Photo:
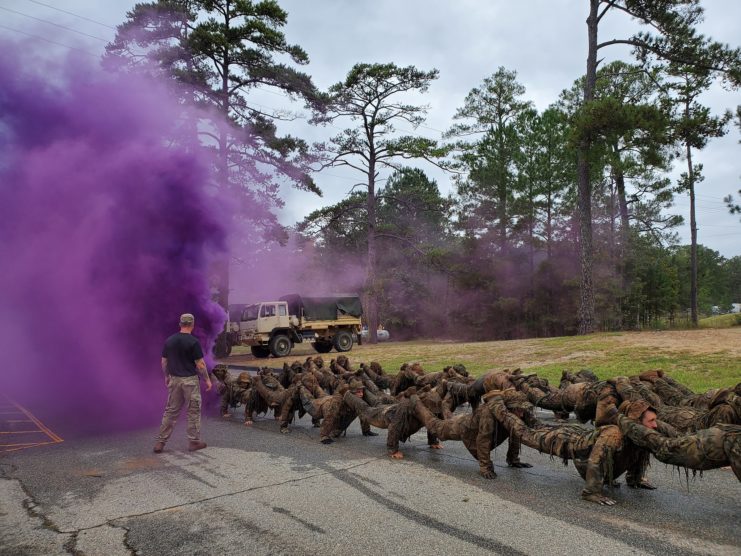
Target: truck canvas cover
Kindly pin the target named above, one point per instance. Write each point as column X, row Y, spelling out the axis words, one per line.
column 323, row 308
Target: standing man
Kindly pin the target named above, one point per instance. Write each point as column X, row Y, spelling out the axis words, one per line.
column 182, row 362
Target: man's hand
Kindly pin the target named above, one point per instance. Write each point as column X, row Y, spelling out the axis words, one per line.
column 208, row 384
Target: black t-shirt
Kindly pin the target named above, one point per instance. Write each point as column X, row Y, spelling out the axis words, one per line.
column 182, row 351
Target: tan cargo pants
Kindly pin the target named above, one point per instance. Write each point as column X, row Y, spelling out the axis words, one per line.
column 182, row 390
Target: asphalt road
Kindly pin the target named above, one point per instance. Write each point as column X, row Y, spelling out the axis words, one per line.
column 254, row 491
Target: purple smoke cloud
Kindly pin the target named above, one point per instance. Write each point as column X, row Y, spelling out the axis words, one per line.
column 107, row 234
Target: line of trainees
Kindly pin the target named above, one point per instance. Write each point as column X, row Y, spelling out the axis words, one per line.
column 633, row 417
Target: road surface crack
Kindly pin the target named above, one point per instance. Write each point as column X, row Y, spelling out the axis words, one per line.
column 112, row 521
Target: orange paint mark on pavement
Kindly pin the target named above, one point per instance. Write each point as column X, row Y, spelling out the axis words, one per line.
column 9, row 444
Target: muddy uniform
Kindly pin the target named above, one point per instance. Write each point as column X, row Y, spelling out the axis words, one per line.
column 376, row 374
column 599, row 455
column 325, row 408
column 432, row 400
column 233, row 393
column 480, row 433
column 346, row 414
column 711, row 448
column 639, row 390
column 457, row 394
column 407, row 377
column 433, row 379
column 375, row 397
column 277, row 397
column 588, row 400
column 326, row 378
column 584, row 375
column 471, row 392
column 723, row 407
column 672, row 395
column 397, row 418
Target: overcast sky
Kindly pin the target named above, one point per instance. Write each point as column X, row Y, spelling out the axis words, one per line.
column 466, row 40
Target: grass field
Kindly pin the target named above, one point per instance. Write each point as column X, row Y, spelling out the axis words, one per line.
column 701, row 359
column 721, row 321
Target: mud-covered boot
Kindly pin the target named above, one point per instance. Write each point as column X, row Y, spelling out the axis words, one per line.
column 593, row 488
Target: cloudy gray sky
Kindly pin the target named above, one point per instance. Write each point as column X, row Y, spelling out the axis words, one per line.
column 466, row 40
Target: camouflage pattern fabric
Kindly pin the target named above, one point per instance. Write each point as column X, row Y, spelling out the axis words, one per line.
column 397, row 418
column 599, row 454
column 711, row 448
column 479, row 431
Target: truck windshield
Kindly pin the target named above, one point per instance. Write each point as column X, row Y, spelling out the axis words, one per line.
column 251, row 312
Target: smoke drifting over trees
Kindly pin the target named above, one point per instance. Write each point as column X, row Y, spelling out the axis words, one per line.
column 126, row 191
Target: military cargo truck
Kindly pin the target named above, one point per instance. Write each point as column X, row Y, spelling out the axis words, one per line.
column 274, row 327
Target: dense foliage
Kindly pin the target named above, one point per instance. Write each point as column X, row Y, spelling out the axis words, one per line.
column 560, row 220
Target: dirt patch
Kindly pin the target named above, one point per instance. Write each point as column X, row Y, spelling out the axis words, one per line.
column 726, row 340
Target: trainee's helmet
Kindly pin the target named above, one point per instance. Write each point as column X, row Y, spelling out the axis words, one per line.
column 220, row 371
column 356, row 384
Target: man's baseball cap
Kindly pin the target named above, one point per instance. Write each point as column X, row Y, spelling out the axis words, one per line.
column 186, row 319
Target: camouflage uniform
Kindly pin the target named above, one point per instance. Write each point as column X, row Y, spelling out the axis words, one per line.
column 584, row 375
column 397, row 418
column 599, row 454
column 588, row 400
column 684, row 418
column 472, row 392
column 433, row 379
column 277, row 397
column 406, row 378
column 233, row 391
column 672, row 395
column 480, row 433
column 711, row 448
column 456, row 394
column 326, row 408
column 376, row 374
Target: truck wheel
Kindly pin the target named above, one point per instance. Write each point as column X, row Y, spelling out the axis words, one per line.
column 280, row 345
column 260, row 351
column 343, row 341
column 322, row 347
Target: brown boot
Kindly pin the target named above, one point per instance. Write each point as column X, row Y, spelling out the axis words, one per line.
column 194, row 445
column 159, row 447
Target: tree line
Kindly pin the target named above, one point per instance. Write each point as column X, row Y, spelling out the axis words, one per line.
column 560, row 221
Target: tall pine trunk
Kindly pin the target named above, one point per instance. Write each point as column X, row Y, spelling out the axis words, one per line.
column 371, row 278
column 693, row 234
column 223, row 263
column 587, row 321
column 624, row 236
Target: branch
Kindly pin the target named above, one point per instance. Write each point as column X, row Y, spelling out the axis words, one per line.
column 660, row 53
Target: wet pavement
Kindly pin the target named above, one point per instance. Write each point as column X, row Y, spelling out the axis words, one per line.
column 256, row 491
